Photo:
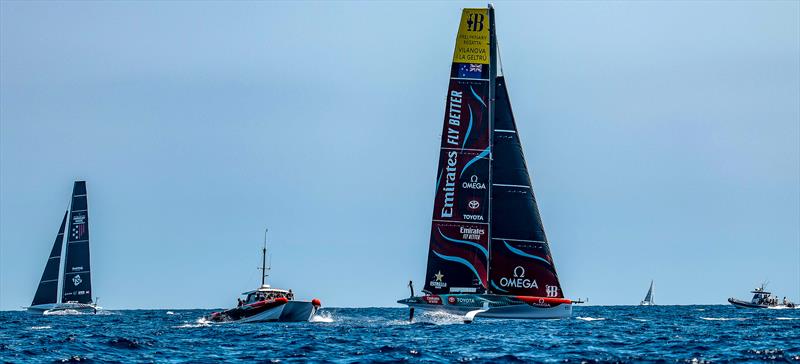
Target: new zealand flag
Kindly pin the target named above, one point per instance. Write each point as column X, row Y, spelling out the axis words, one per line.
column 470, row 70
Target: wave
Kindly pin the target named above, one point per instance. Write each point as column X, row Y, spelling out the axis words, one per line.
column 170, row 313
column 40, row 327
column 322, row 317
column 787, row 318
column 640, row 320
column 590, row 318
column 201, row 322
column 63, row 313
column 431, row 318
column 724, row 318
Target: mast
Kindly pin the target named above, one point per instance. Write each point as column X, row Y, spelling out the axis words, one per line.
column 264, row 268
column 492, row 86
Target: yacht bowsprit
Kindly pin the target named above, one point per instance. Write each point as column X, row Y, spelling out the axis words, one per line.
column 488, row 253
column 266, row 304
column 75, row 280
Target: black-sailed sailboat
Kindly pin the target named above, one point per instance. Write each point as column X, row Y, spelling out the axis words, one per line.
column 488, row 255
column 75, row 279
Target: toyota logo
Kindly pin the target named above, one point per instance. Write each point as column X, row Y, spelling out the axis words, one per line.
column 474, row 204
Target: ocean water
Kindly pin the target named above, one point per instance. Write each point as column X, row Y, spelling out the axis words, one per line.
column 593, row 334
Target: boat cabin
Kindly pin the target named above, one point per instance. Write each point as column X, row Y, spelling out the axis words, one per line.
column 266, row 292
column 760, row 296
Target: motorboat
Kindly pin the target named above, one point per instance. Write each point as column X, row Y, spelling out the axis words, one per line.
column 762, row 299
column 267, row 304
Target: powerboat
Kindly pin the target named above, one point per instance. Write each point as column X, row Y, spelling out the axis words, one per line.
column 267, row 304
column 762, row 299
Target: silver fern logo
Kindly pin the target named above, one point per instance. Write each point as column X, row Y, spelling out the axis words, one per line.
column 76, row 280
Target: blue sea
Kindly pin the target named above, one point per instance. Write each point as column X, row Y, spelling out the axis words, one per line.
column 345, row 335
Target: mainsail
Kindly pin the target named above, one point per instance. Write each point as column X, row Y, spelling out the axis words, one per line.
column 459, row 245
column 649, row 297
column 47, row 292
column 77, row 279
column 487, row 234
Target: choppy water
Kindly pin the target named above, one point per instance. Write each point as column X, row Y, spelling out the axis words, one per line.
column 627, row 334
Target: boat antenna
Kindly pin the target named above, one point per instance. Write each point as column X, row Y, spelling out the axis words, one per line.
column 264, row 269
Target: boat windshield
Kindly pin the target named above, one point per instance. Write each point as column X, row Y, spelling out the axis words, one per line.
column 261, row 295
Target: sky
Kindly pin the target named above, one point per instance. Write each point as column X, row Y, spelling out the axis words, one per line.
column 663, row 140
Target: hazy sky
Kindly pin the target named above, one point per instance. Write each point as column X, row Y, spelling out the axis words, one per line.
column 663, row 140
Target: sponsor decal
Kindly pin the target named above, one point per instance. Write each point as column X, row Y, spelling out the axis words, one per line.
column 469, row 217
column 76, row 280
column 433, row 300
column 474, row 205
column 449, row 184
column 473, row 184
column 454, row 117
column 438, row 281
column 452, row 300
column 77, row 269
column 472, row 42
column 552, row 291
column 471, row 233
column 519, row 280
column 78, row 226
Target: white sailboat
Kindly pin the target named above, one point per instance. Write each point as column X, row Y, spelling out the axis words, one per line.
column 648, row 299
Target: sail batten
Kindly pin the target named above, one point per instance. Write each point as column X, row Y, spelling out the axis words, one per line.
column 47, row 292
column 77, row 286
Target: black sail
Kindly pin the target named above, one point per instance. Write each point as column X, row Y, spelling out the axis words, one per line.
column 47, row 292
column 77, row 279
column 649, row 297
column 521, row 263
column 459, row 241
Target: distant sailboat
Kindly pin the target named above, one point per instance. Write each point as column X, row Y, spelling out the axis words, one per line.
column 488, row 254
column 648, row 300
column 76, row 281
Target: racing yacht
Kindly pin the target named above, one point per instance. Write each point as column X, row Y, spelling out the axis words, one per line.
column 488, row 254
column 266, row 304
column 75, row 279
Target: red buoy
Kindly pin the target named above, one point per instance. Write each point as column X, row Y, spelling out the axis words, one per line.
column 316, row 302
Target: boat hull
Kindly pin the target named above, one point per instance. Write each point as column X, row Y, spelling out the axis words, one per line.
column 493, row 306
column 748, row 304
column 57, row 308
column 279, row 310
